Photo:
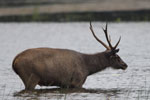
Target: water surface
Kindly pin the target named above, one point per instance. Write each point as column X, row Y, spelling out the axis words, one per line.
column 131, row 84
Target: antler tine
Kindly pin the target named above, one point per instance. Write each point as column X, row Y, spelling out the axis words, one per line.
column 106, row 34
column 91, row 28
column 117, row 43
column 109, row 38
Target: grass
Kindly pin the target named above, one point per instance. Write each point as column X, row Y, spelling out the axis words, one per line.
column 36, row 15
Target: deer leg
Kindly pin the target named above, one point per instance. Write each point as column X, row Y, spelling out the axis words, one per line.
column 31, row 82
column 78, row 81
column 76, row 85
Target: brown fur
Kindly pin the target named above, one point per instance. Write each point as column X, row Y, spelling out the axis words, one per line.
column 57, row 67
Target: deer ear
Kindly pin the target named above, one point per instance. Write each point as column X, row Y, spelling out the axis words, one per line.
column 116, row 51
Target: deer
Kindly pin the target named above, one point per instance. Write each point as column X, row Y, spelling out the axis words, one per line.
column 65, row 68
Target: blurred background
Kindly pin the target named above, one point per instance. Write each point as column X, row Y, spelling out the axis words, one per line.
column 74, row 10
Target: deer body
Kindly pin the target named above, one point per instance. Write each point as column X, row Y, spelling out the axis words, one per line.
column 57, row 67
column 62, row 67
column 46, row 66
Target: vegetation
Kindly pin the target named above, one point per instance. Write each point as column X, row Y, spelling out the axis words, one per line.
column 117, row 16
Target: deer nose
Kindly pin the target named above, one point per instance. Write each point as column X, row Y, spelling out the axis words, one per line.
column 124, row 66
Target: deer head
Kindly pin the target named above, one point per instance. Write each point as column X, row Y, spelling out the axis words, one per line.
column 111, row 51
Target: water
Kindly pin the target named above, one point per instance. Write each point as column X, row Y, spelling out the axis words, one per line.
column 131, row 84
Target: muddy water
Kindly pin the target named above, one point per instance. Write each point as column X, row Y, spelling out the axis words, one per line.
column 131, row 84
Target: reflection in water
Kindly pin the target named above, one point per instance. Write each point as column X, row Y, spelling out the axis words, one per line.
column 66, row 91
column 61, row 92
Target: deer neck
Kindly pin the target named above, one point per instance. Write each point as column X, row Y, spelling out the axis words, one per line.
column 96, row 62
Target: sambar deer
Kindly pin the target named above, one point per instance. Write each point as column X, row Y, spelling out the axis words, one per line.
column 62, row 67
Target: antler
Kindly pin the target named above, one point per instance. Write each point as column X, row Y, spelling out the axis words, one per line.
column 109, row 39
column 106, row 34
column 110, row 47
column 91, row 28
column 117, row 43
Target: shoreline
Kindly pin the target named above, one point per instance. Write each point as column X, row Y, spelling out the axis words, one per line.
column 95, row 10
column 117, row 16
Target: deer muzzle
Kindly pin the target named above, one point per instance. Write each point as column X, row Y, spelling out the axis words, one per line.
column 124, row 66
